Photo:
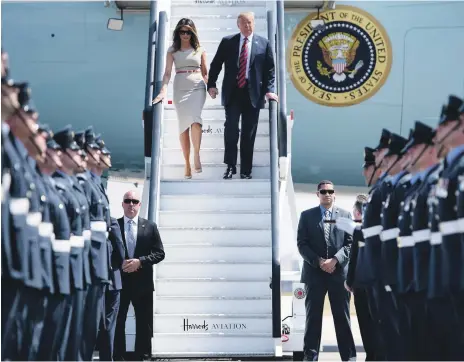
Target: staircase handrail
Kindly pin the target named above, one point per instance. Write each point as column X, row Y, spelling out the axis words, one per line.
column 158, row 114
column 274, row 159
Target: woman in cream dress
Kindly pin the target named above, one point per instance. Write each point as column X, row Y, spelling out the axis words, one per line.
column 189, row 88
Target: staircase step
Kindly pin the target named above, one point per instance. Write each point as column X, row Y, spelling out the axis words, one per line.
column 233, row 186
column 226, row 305
column 228, row 254
column 207, row 268
column 213, row 342
column 226, row 218
column 212, row 155
column 215, row 236
column 206, row 20
column 213, row 202
column 208, row 115
column 212, row 287
column 211, row 171
column 213, row 140
column 212, row 324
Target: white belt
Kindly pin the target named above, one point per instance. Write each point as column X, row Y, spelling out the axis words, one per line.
column 98, row 226
column 372, row 231
column 421, row 235
column 45, row 229
column 19, row 206
column 405, row 241
column 388, row 288
column 435, row 238
column 461, row 225
column 34, row 219
column 449, row 227
column 389, row 234
column 76, row 241
column 61, row 246
column 361, row 244
column 87, row 234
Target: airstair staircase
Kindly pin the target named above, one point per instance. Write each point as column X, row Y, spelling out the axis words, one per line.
column 213, row 290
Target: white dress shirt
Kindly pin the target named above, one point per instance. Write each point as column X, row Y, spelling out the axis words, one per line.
column 134, row 226
column 242, row 39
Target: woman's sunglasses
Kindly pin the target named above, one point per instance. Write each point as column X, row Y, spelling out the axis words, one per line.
column 131, row 201
column 185, row 32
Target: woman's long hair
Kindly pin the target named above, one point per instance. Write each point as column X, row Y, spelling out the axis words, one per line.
column 189, row 24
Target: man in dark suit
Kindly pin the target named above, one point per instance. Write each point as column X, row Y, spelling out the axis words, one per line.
column 143, row 248
column 249, row 76
column 325, row 250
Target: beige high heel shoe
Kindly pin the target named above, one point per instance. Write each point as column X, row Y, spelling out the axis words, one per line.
column 188, row 172
column 198, row 169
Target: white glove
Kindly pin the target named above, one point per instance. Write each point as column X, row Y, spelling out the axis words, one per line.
column 346, row 224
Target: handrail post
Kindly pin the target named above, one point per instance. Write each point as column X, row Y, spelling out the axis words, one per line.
column 273, row 133
column 158, row 112
column 281, row 80
column 151, row 54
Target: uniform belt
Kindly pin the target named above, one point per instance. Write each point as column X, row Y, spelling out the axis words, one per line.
column 34, row 219
column 87, row 234
column 361, row 244
column 372, row 231
column 461, row 225
column 76, row 241
column 449, row 227
column 421, row 235
column 187, row 71
column 19, row 206
column 405, row 241
column 435, row 238
column 61, row 246
column 98, row 226
column 389, row 234
column 46, row 229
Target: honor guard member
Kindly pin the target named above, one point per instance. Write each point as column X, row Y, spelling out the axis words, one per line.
column 66, row 185
column 112, row 294
column 15, row 208
column 99, row 224
column 449, row 132
column 424, row 158
column 368, row 325
column 31, row 299
column 53, row 336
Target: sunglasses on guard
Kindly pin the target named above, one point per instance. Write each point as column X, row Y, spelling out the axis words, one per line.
column 131, row 201
column 324, row 192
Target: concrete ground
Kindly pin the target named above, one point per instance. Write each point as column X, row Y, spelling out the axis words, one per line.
column 305, row 195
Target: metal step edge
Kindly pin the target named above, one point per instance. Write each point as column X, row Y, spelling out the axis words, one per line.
column 222, row 262
column 214, row 245
column 216, row 181
column 217, row 211
column 257, row 316
column 217, row 119
column 213, row 16
column 207, row 6
column 217, row 334
column 214, row 149
column 211, row 165
column 214, row 280
column 192, row 297
column 233, row 196
column 219, row 228
column 210, row 135
column 189, row 355
column 207, row 107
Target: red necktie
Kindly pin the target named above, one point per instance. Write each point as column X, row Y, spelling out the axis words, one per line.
column 242, row 65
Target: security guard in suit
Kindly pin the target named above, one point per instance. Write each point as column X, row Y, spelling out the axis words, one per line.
column 99, row 223
column 449, row 132
column 58, row 225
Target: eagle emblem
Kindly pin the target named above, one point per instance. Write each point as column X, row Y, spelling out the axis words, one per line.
column 339, row 51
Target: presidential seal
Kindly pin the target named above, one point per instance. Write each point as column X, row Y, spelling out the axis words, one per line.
column 342, row 63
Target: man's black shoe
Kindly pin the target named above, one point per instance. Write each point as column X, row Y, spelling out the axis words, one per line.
column 231, row 170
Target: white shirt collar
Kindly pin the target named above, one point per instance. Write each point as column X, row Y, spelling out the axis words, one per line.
column 135, row 220
column 250, row 37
